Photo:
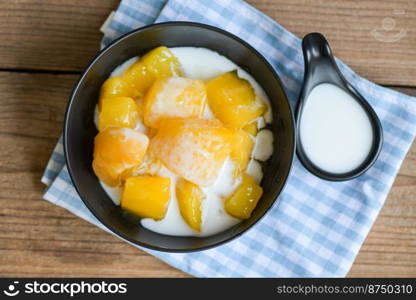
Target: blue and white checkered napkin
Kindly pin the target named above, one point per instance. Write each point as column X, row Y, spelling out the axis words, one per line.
column 316, row 227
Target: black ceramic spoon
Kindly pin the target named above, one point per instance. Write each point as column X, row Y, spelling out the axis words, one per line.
column 320, row 67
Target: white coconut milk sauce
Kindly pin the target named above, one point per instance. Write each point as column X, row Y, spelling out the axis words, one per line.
column 335, row 131
column 205, row 64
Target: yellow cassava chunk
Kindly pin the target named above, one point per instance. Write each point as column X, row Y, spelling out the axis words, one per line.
column 157, row 63
column 115, row 87
column 244, row 199
column 241, row 150
column 233, row 100
column 194, row 149
column 146, row 196
column 116, row 150
column 118, row 111
column 189, row 198
column 251, row 128
column 174, row 97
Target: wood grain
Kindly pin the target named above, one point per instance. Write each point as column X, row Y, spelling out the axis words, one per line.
column 63, row 35
column 41, row 239
column 51, row 35
column 349, row 25
column 36, row 237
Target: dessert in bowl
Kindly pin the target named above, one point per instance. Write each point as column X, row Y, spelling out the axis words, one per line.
column 193, row 130
column 189, row 134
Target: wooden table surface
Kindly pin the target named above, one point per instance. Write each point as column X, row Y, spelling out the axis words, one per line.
column 46, row 44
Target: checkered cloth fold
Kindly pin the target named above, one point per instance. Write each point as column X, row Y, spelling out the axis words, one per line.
column 316, row 227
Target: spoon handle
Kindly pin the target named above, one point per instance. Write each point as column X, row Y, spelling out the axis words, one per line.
column 319, row 62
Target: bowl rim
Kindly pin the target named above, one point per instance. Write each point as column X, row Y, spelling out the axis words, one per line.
column 66, row 130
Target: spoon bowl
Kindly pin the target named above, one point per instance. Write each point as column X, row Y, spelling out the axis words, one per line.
column 321, row 68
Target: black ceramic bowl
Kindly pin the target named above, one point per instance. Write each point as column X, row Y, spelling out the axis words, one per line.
column 79, row 131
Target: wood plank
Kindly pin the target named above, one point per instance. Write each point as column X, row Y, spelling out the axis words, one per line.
column 349, row 27
column 41, row 239
column 36, row 237
column 63, row 36
column 51, row 34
